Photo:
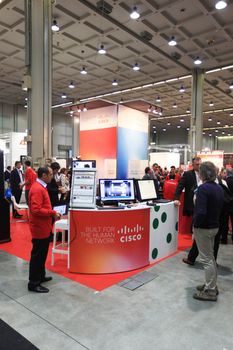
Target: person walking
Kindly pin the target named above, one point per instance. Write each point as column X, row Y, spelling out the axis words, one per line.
column 208, row 206
column 40, row 223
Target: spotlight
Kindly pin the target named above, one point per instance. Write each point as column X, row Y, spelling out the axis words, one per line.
column 136, row 67
column 172, row 42
column 220, row 5
column 114, row 83
column 182, row 89
column 135, row 14
column 63, row 95
column 55, row 27
column 197, row 61
column 158, row 99
column 84, row 108
column 71, row 85
column 79, row 109
column 83, row 71
column 102, row 50
column 149, row 109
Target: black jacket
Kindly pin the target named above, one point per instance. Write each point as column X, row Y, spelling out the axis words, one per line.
column 15, row 181
column 188, row 182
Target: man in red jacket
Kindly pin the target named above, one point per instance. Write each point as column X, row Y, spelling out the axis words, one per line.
column 40, row 222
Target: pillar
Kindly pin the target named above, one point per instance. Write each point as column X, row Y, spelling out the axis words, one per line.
column 38, row 62
column 75, row 136
column 197, row 111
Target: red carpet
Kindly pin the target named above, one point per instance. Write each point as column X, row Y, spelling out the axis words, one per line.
column 20, row 246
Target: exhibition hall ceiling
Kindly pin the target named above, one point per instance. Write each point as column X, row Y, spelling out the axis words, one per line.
column 198, row 27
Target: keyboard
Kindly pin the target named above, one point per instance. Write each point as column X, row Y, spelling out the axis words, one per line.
column 109, row 208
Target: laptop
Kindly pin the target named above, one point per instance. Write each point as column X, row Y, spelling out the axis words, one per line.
column 62, row 209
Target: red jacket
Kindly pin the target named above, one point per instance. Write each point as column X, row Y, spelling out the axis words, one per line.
column 30, row 177
column 40, row 211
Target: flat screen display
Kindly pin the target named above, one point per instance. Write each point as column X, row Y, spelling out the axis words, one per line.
column 116, row 190
column 83, row 164
column 146, row 190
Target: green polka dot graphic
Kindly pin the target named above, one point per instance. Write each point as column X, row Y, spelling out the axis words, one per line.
column 156, row 208
column 169, row 237
column 155, row 223
column 164, row 217
column 155, row 253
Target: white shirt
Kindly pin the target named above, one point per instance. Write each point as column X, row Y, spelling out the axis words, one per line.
column 20, row 175
column 199, row 181
column 42, row 182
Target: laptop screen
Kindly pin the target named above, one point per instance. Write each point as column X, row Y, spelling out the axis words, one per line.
column 62, row 209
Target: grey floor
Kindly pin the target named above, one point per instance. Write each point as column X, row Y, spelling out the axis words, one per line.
column 160, row 315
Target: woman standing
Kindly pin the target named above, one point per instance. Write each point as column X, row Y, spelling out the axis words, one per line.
column 208, row 206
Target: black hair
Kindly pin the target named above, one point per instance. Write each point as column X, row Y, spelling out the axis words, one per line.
column 147, row 169
column 42, row 170
column 55, row 166
column 27, row 162
column 17, row 162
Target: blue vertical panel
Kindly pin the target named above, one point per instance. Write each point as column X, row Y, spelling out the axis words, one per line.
column 131, row 145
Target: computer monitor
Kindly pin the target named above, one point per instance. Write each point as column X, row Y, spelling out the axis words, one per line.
column 113, row 190
column 83, row 164
column 146, row 190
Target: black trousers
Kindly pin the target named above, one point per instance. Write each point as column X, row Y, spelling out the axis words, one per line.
column 39, row 254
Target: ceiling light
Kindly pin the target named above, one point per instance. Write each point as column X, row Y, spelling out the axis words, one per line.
column 231, row 85
column 164, row 129
column 158, row 99
column 136, row 67
column 155, row 111
column 154, row 127
column 226, row 126
column 71, row 85
column 168, row 123
column 216, row 130
column 181, row 120
column 182, row 89
column 203, row 133
column 174, row 105
column 154, row 131
column 187, row 110
column 63, row 95
column 197, row 61
column 83, row 71
column 26, row 98
column 220, row 5
column 172, row 42
column 178, row 126
column 231, row 114
column 55, row 27
column 135, row 14
column 187, row 129
column 71, row 112
column 149, row 109
column 210, row 134
column 114, row 83
column 102, row 50
column 210, row 119
column 84, row 108
column 218, row 122
column 223, row 133
column 25, row 106
column 228, row 134
column 211, row 104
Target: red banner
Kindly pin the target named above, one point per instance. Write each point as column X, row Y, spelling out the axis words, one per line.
column 110, row 241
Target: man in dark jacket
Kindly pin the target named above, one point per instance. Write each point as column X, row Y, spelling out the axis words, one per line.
column 16, row 184
column 189, row 181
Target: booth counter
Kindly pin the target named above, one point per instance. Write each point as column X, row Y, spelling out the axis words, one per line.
column 109, row 241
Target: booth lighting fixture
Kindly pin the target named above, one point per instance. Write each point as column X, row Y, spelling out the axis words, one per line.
column 155, row 111
column 161, row 113
column 182, row 89
column 172, row 42
column 115, row 82
column 102, row 50
column 134, row 14
column 63, row 95
column 83, row 71
column 136, row 67
column 231, row 85
column 158, row 99
column 55, row 27
column 84, row 108
column 210, row 119
column 220, row 5
column 181, row 120
column 211, row 104
column 218, row 122
column 79, row 109
column 149, row 109
column 178, row 126
column 174, row 105
column 197, row 61
column 71, row 85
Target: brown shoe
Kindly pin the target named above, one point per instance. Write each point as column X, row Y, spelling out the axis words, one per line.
column 187, row 261
column 205, row 295
column 201, row 288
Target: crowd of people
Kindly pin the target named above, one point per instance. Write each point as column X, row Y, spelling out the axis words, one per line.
column 208, row 199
